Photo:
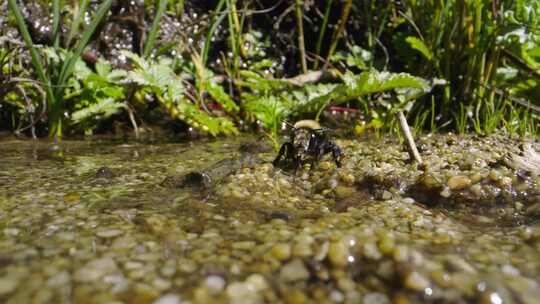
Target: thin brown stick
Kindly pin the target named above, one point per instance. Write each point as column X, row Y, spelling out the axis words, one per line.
column 408, row 136
column 340, row 28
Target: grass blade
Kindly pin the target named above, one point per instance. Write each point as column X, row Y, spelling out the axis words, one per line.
column 149, row 44
column 69, row 64
column 56, row 22
column 345, row 11
column 74, row 29
column 213, row 27
column 36, row 58
column 323, row 31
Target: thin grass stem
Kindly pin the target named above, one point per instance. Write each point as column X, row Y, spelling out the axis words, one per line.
column 154, row 28
column 323, row 28
column 300, row 28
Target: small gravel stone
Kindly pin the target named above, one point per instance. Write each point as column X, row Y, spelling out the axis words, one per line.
column 446, row 193
column 161, row 283
column 58, row 280
column 294, row 271
column 371, row 251
column 458, row 182
column 281, row 251
column 336, row 296
column 95, row 270
column 12, row 231
column 214, row 283
column 376, row 298
column 243, row 293
column 8, row 285
column 302, row 248
column 168, row 299
column 338, row 254
column 109, row 233
column 258, row 281
column 416, row 281
column 408, row 200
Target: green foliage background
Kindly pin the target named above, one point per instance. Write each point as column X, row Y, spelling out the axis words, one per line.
column 450, row 65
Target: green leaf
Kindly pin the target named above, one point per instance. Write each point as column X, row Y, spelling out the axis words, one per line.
column 371, row 82
column 219, row 95
column 160, row 79
column 102, row 109
column 117, row 75
column 261, row 65
column 270, row 110
column 256, row 82
column 81, row 70
column 103, row 68
column 420, row 46
column 115, row 92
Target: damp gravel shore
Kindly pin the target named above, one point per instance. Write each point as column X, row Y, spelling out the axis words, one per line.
column 94, row 222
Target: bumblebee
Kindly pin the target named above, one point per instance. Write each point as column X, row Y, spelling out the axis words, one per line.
column 308, row 144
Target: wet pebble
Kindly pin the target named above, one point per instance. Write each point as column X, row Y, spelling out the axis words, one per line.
column 294, row 271
column 376, row 298
column 244, row 293
column 169, row 298
column 109, row 233
column 458, row 182
column 416, row 281
column 338, row 254
column 8, row 285
column 95, row 269
column 281, row 251
column 215, row 284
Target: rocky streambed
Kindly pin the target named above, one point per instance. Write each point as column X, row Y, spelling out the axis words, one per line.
column 105, row 222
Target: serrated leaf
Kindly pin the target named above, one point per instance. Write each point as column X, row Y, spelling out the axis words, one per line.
column 420, row 46
column 103, row 68
column 219, row 95
column 160, row 79
column 136, row 59
column 114, row 92
column 270, row 110
column 81, row 70
column 256, row 82
column 117, row 75
column 261, row 65
column 371, row 82
column 103, row 108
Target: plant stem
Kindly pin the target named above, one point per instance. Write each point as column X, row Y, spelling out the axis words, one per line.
column 56, row 22
column 301, row 43
column 233, row 32
column 322, row 31
column 150, row 42
column 215, row 22
column 36, row 58
column 74, row 29
column 340, row 28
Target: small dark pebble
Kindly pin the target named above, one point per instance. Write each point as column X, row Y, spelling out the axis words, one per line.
column 104, row 172
column 282, row 215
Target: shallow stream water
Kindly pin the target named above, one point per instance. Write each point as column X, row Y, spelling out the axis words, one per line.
column 94, row 222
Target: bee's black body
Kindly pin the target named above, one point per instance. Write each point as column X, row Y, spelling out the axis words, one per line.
column 308, row 144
